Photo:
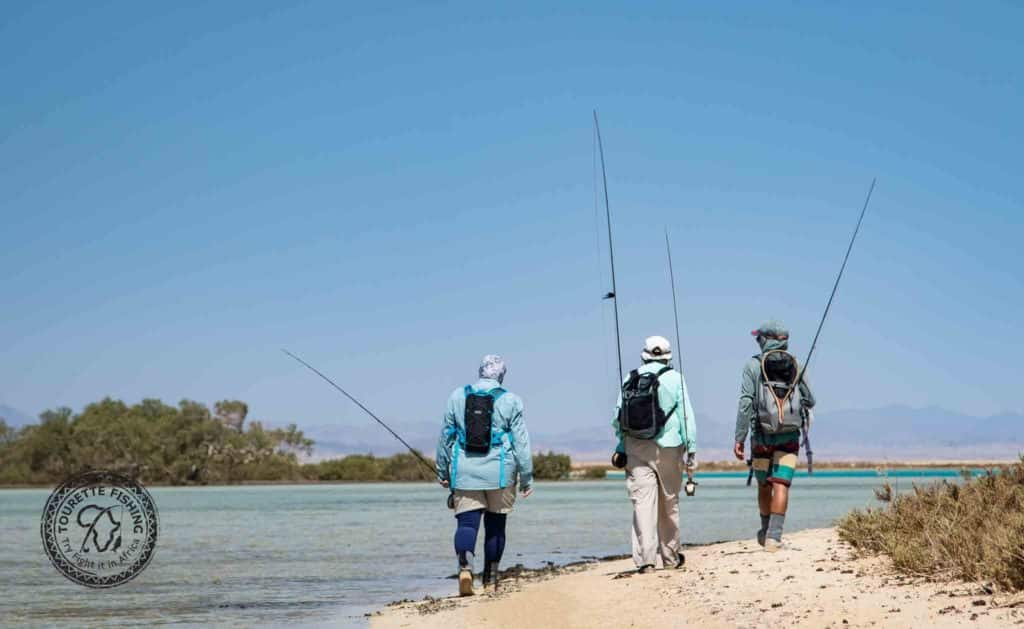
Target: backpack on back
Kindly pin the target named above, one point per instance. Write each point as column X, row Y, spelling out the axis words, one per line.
column 478, row 419
column 779, row 403
column 640, row 415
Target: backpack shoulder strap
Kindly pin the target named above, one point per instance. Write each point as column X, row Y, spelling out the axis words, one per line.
column 675, row 406
column 755, row 365
column 657, row 377
column 496, row 394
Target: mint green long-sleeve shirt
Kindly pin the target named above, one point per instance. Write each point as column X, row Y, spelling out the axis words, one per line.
column 681, row 427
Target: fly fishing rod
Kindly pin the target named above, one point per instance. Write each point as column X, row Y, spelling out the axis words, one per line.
column 613, row 295
column 842, row 268
column 828, row 307
column 675, row 307
column 419, row 457
column 691, row 485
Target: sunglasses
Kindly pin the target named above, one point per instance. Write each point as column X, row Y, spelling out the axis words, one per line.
column 777, row 337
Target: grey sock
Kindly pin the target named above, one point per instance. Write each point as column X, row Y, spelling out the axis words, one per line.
column 764, row 522
column 775, row 522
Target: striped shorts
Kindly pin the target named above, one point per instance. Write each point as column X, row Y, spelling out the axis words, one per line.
column 775, row 458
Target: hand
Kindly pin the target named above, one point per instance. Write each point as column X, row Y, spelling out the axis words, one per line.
column 737, row 450
column 691, row 462
column 619, row 460
column 444, row 484
column 527, row 492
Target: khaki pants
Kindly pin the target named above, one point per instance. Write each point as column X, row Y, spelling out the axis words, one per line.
column 654, row 476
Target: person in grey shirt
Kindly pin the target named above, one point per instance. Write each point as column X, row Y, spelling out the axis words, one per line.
column 774, row 443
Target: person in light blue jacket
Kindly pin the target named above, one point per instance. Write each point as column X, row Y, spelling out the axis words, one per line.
column 482, row 452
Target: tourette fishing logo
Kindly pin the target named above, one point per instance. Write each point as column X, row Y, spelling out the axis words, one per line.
column 100, row 528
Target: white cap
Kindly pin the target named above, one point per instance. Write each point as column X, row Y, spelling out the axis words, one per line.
column 656, row 348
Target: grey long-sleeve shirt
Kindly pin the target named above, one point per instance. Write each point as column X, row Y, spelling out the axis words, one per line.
column 747, row 411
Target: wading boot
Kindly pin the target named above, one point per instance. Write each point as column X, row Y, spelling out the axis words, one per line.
column 762, row 533
column 773, row 536
column 465, row 576
column 491, row 576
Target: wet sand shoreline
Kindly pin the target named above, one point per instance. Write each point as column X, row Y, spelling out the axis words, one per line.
column 816, row 582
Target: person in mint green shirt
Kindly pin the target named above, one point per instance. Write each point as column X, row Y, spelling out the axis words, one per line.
column 657, row 442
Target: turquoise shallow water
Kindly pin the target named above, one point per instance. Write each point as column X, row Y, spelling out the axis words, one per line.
column 947, row 472
column 326, row 554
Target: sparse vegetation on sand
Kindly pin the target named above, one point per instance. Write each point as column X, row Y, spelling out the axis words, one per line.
column 973, row 530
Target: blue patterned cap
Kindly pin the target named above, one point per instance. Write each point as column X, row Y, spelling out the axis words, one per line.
column 493, row 367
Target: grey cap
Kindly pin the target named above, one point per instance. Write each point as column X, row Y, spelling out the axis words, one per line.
column 492, row 366
column 771, row 327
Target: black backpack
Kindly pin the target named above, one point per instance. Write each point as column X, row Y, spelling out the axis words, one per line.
column 478, row 418
column 640, row 415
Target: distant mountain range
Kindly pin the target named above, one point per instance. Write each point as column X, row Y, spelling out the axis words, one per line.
column 900, row 430
column 891, row 432
column 14, row 417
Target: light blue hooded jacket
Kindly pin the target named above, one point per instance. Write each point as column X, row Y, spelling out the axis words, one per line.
column 510, row 450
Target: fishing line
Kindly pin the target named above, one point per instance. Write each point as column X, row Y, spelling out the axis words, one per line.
column 428, row 466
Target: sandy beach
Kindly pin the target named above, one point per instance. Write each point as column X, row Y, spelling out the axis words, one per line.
column 816, row 582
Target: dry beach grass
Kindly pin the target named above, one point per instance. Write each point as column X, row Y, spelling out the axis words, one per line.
column 972, row 531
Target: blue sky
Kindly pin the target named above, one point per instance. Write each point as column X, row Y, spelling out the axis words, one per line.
column 392, row 192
